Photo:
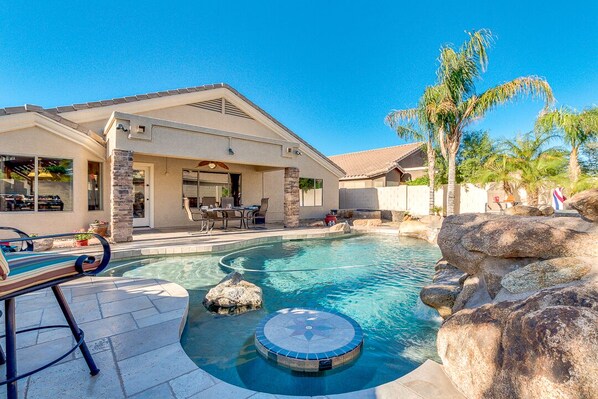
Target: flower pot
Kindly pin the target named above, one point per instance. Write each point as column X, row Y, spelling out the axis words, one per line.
column 99, row 228
column 45, row 244
column 81, row 243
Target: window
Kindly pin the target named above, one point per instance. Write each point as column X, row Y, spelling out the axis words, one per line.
column 94, row 186
column 17, row 183
column 208, row 188
column 310, row 191
column 35, row 183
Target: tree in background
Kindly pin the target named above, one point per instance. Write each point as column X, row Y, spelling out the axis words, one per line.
column 475, row 150
column 454, row 103
column 529, row 162
column 413, row 124
column 576, row 128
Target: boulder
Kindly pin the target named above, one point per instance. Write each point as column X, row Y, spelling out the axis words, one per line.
column 469, row 239
column 418, row 229
column 447, row 283
column 367, row 222
column 586, row 203
column 233, row 295
column 523, row 210
column 546, row 210
column 547, row 273
column 344, row 227
column 543, row 347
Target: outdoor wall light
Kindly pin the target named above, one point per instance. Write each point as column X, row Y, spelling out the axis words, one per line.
column 231, row 152
column 298, row 152
column 211, row 165
column 122, row 127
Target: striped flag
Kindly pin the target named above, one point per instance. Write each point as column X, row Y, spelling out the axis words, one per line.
column 558, row 199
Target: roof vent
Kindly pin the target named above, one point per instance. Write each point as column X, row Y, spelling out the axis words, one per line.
column 232, row 109
column 211, row 105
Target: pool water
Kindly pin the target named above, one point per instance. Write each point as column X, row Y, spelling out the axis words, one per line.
column 373, row 279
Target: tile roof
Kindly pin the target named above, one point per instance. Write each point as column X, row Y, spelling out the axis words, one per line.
column 103, row 103
column 370, row 163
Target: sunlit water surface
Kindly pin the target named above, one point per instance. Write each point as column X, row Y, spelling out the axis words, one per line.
column 373, row 279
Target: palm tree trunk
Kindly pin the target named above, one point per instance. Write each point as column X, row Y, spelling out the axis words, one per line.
column 450, row 200
column 533, row 197
column 574, row 168
column 431, row 174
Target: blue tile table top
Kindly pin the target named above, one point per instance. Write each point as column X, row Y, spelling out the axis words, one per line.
column 309, row 335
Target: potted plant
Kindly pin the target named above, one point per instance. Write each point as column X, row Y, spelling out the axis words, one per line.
column 44, row 244
column 99, row 227
column 82, row 238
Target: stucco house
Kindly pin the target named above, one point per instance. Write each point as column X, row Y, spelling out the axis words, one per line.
column 131, row 160
column 382, row 167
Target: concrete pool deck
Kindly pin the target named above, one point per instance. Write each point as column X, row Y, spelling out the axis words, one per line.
column 133, row 328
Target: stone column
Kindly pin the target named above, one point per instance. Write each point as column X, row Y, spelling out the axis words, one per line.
column 121, row 195
column 291, row 197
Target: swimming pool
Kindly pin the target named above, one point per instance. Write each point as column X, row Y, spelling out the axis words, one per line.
column 373, row 279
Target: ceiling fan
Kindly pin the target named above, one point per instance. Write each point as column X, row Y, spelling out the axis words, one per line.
column 212, row 164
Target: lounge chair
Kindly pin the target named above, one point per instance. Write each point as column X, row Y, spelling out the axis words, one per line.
column 206, row 223
column 25, row 271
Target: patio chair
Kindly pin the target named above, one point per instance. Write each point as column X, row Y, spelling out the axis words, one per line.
column 25, row 271
column 260, row 212
column 209, row 201
column 206, row 223
column 229, row 202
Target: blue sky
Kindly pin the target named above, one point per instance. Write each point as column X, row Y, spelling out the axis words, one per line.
column 328, row 70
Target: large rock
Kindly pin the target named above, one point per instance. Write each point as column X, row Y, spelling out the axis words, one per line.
column 467, row 240
column 586, row 203
column 447, row 283
column 367, row 222
column 547, row 210
column 547, row 273
column 419, row 229
column 523, row 210
column 233, row 295
column 543, row 347
column 344, row 227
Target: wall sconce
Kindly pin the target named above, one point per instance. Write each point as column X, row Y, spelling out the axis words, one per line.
column 122, row 127
column 231, row 152
column 298, row 152
column 211, row 165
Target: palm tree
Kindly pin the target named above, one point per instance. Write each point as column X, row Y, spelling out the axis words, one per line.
column 413, row 124
column 497, row 170
column 456, row 104
column 577, row 129
column 531, row 163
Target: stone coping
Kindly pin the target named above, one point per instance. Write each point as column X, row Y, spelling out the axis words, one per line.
column 187, row 249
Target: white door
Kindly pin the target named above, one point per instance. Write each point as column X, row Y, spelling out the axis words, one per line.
column 142, row 191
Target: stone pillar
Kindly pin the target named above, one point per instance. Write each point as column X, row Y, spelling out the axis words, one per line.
column 291, row 197
column 121, row 195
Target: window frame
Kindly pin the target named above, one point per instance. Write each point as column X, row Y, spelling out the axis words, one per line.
column 100, row 185
column 36, row 160
column 315, row 187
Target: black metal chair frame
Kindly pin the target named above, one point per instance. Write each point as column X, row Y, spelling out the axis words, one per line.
column 10, row 357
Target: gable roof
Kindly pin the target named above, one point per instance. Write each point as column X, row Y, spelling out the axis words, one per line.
column 371, row 163
column 53, row 112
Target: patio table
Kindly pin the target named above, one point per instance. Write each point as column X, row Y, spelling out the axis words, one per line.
column 243, row 210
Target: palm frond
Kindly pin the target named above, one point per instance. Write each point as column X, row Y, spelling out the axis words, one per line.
column 524, row 86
